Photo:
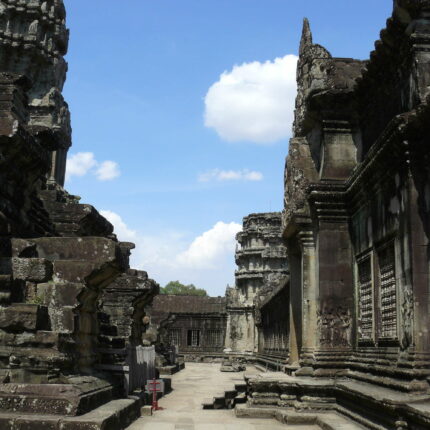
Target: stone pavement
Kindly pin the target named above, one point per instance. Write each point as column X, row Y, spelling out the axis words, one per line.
column 183, row 410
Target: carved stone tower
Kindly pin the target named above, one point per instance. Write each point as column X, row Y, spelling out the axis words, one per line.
column 261, row 261
column 33, row 41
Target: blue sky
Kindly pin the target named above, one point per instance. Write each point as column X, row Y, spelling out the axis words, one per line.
column 171, row 152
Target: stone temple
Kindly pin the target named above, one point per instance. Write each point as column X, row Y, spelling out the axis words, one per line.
column 331, row 303
column 262, row 270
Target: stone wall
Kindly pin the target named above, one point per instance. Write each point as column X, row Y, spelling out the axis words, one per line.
column 195, row 325
column 355, row 225
column 353, row 209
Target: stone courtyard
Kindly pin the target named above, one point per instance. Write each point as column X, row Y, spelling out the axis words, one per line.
column 183, row 406
column 330, row 308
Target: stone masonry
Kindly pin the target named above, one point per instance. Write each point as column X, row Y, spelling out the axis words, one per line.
column 70, row 306
column 356, row 229
column 194, row 325
column 262, row 265
column 33, row 41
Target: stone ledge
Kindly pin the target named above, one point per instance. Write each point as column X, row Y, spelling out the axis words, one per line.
column 115, row 415
column 326, row 421
column 81, row 395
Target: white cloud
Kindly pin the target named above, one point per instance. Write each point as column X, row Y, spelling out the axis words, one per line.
column 230, row 175
column 207, row 249
column 107, row 171
column 80, row 164
column 83, row 163
column 120, row 227
column 206, row 261
column 254, row 101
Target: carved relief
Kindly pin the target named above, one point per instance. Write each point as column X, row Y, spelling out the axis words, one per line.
column 407, row 311
column 296, row 182
column 335, row 327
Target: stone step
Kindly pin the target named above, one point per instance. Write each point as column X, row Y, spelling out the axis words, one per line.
column 240, row 399
column 325, row 420
column 243, row 411
column 80, row 219
column 219, row 402
column 114, row 415
column 228, row 400
column 230, row 394
column 208, row 404
column 240, row 387
column 333, row 421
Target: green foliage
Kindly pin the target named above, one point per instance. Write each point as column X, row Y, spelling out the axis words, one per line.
column 176, row 288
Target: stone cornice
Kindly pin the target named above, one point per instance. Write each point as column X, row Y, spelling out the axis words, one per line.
column 330, row 199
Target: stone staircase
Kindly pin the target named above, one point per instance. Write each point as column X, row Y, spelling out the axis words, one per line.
column 71, row 218
column 324, row 420
column 229, row 399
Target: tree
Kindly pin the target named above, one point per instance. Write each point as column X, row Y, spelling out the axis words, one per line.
column 176, row 288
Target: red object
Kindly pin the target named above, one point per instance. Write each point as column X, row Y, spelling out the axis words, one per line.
column 152, row 385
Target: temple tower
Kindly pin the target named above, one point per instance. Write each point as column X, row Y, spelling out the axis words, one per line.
column 33, row 42
column 261, row 261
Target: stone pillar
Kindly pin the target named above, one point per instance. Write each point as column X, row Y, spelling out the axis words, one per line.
column 336, row 286
column 310, row 296
column 296, row 311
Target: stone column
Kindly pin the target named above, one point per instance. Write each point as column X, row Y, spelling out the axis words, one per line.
column 336, row 290
column 295, row 304
column 310, row 297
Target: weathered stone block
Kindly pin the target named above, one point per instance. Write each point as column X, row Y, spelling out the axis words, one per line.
column 31, row 269
column 78, row 248
column 73, row 219
column 55, row 294
column 80, row 396
column 19, row 317
column 90, row 273
column 36, row 423
column 63, row 319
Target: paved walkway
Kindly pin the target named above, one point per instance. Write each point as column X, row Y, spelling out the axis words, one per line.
column 183, row 410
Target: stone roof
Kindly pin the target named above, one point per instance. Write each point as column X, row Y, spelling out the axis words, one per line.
column 164, row 303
